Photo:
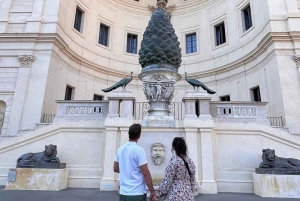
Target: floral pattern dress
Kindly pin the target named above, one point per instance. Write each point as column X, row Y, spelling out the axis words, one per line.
column 178, row 185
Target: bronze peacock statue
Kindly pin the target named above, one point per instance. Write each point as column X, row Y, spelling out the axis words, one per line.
column 196, row 83
column 122, row 83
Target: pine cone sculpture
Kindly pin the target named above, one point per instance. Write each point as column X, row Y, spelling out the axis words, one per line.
column 160, row 43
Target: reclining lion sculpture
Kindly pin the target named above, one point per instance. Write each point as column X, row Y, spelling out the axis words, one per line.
column 29, row 160
column 270, row 160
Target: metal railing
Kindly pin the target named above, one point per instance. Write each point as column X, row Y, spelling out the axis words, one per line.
column 276, row 122
column 140, row 110
column 48, row 118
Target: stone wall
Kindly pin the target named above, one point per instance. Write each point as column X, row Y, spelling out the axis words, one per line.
column 238, row 150
column 89, row 147
column 80, row 145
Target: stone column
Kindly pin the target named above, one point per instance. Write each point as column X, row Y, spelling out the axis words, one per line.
column 127, row 109
column 34, row 22
column 191, row 138
column 190, row 109
column 204, row 108
column 4, row 12
column 209, row 185
column 108, row 181
column 117, row 118
column 113, row 108
column 124, row 134
column 297, row 59
column 19, row 95
column 205, row 123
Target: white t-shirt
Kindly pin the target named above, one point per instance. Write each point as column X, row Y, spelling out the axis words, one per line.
column 130, row 157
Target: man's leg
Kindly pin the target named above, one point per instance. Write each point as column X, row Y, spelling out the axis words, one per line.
column 133, row 197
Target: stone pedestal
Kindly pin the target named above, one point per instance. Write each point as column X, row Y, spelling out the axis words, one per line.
column 120, row 104
column 280, row 186
column 159, row 80
column 37, row 179
column 200, row 142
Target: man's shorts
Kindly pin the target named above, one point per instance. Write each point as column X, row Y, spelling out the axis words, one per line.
column 133, row 197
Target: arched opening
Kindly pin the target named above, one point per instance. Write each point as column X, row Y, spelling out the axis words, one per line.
column 2, row 114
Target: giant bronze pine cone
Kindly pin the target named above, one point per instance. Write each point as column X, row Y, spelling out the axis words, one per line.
column 160, row 43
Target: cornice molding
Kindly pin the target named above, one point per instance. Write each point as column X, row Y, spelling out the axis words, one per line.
column 57, row 40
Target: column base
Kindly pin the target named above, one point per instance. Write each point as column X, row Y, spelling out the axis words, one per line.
column 109, row 185
column 208, row 188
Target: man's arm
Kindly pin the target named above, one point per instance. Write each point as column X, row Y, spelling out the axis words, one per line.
column 116, row 167
column 148, row 179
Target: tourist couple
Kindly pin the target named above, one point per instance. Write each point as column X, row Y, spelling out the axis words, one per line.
column 131, row 163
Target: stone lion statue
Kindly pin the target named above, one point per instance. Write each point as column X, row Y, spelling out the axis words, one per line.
column 31, row 159
column 270, row 160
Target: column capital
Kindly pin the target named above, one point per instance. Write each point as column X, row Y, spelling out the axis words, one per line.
column 26, row 60
column 297, row 59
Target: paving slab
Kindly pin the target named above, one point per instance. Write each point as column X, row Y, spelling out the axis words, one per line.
column 75, row 194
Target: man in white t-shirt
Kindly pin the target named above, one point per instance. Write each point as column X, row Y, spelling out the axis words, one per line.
column 131, row 163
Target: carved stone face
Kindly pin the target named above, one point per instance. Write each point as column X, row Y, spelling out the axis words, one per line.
column 158, row 153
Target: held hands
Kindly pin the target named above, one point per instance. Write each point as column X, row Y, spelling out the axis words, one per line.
column 154, row 197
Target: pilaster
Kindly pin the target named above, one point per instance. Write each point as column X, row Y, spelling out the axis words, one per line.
column 208, row 185
column 191, row 138
column 34, row 22
column 20, row 93
column 4, row 12
column 205, row 124
column 297, row 60
column 108, row 181
column 119, row 117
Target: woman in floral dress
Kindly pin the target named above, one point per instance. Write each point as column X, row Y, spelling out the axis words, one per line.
column 178, row 184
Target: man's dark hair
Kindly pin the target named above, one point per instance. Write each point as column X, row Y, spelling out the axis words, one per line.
column 135, row 131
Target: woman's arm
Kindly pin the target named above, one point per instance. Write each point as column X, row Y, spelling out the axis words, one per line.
column 167, row 181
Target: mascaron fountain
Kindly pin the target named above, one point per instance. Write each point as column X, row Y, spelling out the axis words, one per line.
column 160, row 58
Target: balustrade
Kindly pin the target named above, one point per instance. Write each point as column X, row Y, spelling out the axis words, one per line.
column 81, row 110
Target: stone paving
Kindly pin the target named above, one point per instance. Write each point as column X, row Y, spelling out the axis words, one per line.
column 73, row 194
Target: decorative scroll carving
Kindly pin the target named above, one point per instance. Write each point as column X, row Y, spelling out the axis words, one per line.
column 84, row 110
column 158, row 153
column 297, row 59
column 26, row 59
column 236, row 111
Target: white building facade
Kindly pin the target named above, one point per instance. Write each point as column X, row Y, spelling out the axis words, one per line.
column 245, row 50
column 262, row 56
column 265, row 55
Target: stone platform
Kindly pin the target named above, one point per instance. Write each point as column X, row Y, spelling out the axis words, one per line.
column 37, row 179
column 280, row 186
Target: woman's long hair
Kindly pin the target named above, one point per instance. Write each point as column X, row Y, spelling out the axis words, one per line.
column 180, row 148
